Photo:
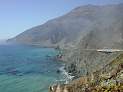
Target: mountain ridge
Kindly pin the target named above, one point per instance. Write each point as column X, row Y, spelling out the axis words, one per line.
column 70, row 28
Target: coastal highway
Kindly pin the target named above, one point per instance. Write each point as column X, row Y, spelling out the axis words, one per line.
column 104, row 50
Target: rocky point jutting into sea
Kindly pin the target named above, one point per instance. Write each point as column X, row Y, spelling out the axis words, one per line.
column 90, row 38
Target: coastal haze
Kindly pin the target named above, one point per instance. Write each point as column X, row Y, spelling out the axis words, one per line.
column 83, row 25
column 3, row 42
column 89, row 36
column 17, row 16
column 78, row 50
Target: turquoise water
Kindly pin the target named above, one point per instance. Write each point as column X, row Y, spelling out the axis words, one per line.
column 27, row 68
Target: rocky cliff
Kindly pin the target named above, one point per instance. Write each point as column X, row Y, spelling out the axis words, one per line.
column 109, row 78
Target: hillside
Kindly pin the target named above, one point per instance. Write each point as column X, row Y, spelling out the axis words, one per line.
column 109, row 78
column 100, row 25
column 106, row 32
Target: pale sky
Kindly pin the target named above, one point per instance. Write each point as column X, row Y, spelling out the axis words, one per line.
column 18, row 15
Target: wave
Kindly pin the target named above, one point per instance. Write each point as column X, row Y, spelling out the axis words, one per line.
column 66, row 77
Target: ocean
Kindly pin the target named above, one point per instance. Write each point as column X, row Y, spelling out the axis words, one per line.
column 27, row 68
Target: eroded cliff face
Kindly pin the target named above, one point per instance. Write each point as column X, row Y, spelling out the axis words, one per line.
column 85, row 62
column 109, row 78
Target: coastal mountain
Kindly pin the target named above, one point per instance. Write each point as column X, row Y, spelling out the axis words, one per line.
column 59, row 31
column 83, row 30
column 105, row 33
column 91, row 26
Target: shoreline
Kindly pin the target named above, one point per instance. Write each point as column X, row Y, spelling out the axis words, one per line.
column 99, row 81
column 67, row 77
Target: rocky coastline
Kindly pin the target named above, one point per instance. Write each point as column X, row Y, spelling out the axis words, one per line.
column 76, row 36
column 106, row 76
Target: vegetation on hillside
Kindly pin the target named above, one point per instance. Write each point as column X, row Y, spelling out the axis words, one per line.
column 108, row 79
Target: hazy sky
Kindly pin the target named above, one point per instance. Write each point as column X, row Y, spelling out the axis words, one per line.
column 18, row 15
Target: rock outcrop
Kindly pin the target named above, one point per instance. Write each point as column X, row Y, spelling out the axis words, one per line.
column 107, row 79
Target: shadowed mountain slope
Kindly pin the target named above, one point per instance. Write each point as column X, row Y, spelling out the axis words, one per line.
column 90, row 23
